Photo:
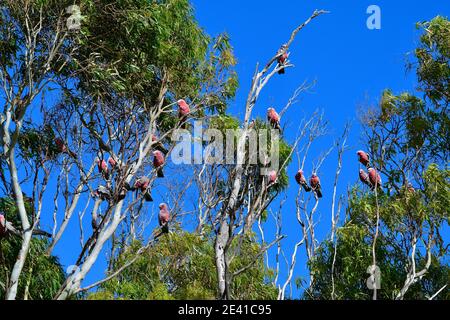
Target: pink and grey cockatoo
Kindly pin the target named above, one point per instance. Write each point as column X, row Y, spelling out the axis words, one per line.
column 6, row 229
column 62, row 148
column 364, row 158
column 300, row 178
column 158, row 162
column 364, row 177
column 103, row 168
column 103, row 193
column 272, row 178
column 375, row 178
column 183, row 112
column 2, row 225
column 158, row 145
column 163, row 217
column 112, row 162
column 282, row 59
column 143, row 184
column 314, row 182
column 273, row 118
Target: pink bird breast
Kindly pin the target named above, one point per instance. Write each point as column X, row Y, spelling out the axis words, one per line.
column 272, row 115
column 102, row 166
column 272, row 176
column 299, row 177
column 283, row 58
column 374, row 176
column 183, row 107
column 314, row 180
column 163, row 213
column 2, row 224
column 112, row 162
column 158, row 159
column 363, row 175
column 363, row 157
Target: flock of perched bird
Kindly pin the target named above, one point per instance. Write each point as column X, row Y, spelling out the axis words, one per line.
column 142, row 184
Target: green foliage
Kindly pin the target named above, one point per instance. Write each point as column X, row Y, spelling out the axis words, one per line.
column 38, row 143
column 42, row 275
column 433, row 56
column 181, row 266
column 354, row 256
column 399, row 215
column 128, row 49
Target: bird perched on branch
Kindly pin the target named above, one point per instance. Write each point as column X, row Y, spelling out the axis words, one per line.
column 143, row 184
column 272, row 178
column 158, row 162
column 103, row 193
column 112, row 162
column 122, row 194
column 183, row 112
column 273, row 118
column 364, row 177
column 375, row 178
column 103, row 168
column 282, row 58
column 157, row 145
column 300, row 178
column 2, row 226
column 6, row 229
column 314, row 182
column 62, row 148
column 163, row 217
column 364, row 158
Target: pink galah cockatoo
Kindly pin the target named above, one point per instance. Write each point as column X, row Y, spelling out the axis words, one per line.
column 300, row 178
column 314, row 182
column 272, row 177
column 158, row 162
column 363, row 157
column 364, row 177
column 143, row 184
column 2, row 225
column 103, row 193
column 164, row 217
column 183, row 112
column 375, row 178
column 282, row 58
column 103, row 168
column 281, row 62
column 7, row 228
column 158, row 145
column 112, row 162
column 62, row 148
column 273, row 118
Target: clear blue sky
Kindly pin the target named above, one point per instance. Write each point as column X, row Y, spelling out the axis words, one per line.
column 351, row 64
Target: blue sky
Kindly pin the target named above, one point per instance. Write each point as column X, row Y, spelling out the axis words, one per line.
column 351, row 64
